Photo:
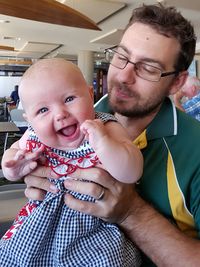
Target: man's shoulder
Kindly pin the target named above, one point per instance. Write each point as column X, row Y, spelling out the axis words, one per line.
column 183, row 119
column 103, row 105
column 188, row 129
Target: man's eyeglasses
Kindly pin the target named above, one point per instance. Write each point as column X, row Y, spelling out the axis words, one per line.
column 143, row 70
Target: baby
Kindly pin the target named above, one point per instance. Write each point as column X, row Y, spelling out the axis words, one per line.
column 65, row 130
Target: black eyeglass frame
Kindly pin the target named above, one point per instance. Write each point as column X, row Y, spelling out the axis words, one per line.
column 162, row 74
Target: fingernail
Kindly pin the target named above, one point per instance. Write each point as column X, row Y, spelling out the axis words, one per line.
column 53, row 188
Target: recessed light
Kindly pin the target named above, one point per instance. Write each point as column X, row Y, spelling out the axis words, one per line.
column 4, row 21
column 11, row 38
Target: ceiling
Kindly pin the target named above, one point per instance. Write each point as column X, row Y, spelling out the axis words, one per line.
column 33, row 40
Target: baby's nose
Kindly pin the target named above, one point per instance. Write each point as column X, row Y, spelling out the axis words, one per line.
column 61, row 116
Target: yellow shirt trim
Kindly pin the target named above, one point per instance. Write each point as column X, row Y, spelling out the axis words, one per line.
column 141, row 140
column 183, row 217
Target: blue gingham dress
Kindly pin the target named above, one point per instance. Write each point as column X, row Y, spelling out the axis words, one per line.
column 50, row 234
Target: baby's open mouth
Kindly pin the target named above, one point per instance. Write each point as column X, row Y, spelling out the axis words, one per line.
column 69, row 130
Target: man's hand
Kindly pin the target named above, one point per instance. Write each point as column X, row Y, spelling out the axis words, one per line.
column 38, row 184
column 154, row 234
column 116, row 201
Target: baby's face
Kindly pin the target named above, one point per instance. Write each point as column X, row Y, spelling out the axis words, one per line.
column 56, row 104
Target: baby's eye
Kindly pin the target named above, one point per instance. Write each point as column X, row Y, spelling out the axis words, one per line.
column 42, row 110
column 70, row 98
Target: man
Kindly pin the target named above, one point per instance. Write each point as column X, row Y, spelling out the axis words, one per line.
column 192, row 107
column 187, row 98
column 162, row 213
column 14, row 95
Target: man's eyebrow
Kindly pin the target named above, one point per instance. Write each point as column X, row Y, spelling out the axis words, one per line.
column 150, row 60
column 143, row 59
column 124, row 48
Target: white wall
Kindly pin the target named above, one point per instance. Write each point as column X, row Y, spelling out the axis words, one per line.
column 7, row 85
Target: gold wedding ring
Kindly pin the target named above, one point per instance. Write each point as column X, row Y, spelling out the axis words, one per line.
column 101, row 194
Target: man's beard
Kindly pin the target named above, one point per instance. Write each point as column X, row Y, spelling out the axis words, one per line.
column 137, row 110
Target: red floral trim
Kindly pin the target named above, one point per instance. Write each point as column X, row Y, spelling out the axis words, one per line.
column 24, row 212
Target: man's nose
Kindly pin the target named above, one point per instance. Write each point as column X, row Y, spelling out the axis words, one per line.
column 128, row 74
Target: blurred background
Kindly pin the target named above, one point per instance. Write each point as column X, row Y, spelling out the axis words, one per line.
column 23, row 41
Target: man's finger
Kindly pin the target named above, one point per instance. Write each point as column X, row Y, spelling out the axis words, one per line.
column 84, row 187
column 40, row 183
column 96, row 175
column 44, row 171
column 84, row 206
column 34, row 194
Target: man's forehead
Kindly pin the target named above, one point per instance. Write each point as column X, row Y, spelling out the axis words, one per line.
column 142, row 41
column 141, row 32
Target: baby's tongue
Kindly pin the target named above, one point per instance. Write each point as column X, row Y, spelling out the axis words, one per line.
column 70, row 130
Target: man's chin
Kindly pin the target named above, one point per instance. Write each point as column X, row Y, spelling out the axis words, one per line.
column 133, row 112
column 121, row 108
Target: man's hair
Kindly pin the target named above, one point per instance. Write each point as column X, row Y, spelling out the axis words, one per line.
column 170, row 23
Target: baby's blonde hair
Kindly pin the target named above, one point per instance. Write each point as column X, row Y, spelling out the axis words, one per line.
column 47, row 64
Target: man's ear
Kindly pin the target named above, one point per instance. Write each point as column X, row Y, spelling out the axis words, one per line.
column 178, row 82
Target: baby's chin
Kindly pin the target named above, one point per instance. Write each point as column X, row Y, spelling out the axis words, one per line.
column 68, row 147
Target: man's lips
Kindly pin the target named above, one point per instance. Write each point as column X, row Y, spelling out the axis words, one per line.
column 122, row 94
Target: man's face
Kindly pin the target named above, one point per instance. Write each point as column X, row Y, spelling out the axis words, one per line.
column 131, row 95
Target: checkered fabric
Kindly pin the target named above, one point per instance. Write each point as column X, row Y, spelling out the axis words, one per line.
column 192, row 107
column 49, row 234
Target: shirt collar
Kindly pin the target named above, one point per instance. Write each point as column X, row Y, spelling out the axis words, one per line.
column 165, row 122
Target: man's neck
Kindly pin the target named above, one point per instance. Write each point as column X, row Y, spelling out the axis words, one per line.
column 135, row 126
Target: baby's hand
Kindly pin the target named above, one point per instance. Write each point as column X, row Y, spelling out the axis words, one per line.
column 23, row 163
column 94, row 131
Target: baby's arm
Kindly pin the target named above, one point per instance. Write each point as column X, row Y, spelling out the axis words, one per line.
column 17, row 162
column 119, row 156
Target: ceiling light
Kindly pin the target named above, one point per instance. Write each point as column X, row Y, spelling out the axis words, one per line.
column 4, row 21
column 11, row 38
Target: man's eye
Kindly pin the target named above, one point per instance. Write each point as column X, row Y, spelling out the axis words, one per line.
column 42, row 110
column 147, row 68
column 120, row 57
column 69, row 99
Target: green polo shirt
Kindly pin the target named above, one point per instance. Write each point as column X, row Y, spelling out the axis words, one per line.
column 171, row 179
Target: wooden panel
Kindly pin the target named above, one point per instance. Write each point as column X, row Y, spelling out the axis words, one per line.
column 15, row 62
column 4, row 47
column 48, row 11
